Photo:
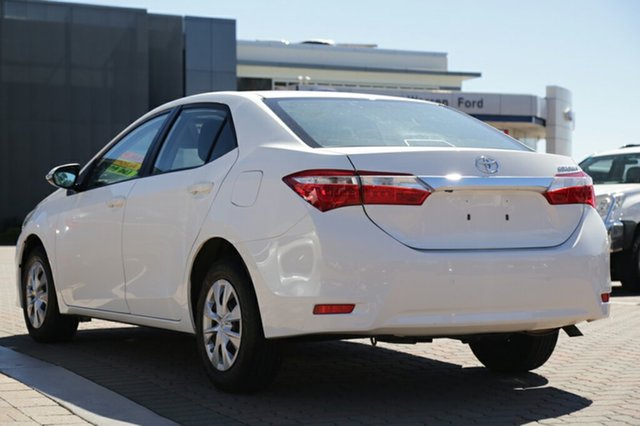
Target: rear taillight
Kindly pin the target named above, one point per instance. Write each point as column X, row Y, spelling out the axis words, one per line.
column 392, row 189
column 330, row 189
column 571, row 188
column 326, row 189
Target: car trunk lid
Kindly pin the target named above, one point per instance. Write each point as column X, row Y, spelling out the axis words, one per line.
column 480, row 199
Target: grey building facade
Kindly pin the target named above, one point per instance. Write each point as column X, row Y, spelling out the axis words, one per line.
column 73, row 76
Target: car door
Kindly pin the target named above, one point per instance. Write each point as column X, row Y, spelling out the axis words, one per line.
column 165, row 211
column 89, row 232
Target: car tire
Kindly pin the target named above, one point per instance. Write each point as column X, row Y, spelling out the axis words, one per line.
column 40, row 304
column 515, row 353
column 630, row 263
column 230, row 339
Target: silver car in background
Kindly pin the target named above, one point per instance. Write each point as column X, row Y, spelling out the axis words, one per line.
column 616, row 178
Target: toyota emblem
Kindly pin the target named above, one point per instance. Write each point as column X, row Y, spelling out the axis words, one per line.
column 487, row 165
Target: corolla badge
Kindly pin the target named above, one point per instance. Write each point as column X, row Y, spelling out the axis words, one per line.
column 487, row 165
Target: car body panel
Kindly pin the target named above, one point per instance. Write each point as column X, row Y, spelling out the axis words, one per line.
column 403, row 291
column 502, row 210
column 163, row 217
column 89, row 245
column 630, row 209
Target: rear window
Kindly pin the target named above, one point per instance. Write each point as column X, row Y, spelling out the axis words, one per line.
column 340, row 122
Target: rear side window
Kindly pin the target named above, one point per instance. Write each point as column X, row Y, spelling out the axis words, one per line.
column 198, row 135
column 343, row 122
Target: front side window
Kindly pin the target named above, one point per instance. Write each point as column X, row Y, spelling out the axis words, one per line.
column 197, row 135
column 124, row 160
column 620, row 168
column 344, row 122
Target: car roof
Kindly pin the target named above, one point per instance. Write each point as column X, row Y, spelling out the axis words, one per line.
column 257, row 96
column 619, row 151
column 236, row 97
column 279, row 94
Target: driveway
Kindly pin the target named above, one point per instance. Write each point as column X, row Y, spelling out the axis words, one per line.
column 593, row 379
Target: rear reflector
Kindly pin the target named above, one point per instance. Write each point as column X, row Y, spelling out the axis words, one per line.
column 330, row 189
column 605, row 297
column 333, row 309
column 571, row 188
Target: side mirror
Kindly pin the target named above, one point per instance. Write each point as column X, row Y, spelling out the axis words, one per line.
column 64, row 176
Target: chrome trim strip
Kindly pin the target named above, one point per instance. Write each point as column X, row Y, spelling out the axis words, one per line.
column 456, row 182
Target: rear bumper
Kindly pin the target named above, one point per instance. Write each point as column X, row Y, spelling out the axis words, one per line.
column 337, row 257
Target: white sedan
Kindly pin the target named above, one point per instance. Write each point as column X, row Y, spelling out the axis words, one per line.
column 246, row 218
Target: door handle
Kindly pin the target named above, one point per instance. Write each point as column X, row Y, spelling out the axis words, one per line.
column 116, row 202
column 200, row 188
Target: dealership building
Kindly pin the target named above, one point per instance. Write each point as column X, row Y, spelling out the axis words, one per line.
column 324, row 65
column 72, row 76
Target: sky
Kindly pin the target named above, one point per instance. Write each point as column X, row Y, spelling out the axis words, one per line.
column 590, row 47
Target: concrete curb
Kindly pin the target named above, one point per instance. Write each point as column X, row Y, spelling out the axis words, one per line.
column 87, row 400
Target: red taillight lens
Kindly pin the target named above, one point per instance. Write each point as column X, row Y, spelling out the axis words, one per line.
column 572, row 195
column 330, row 189
column 342, row 308
column 571, row 188
column 393, row 189
column 605, row 297
column 326, row 189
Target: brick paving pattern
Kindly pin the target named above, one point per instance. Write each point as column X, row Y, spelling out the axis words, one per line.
column 21, row 405
column 593, row 379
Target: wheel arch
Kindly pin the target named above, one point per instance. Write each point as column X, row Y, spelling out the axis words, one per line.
column 209, row 252
column 31, row 243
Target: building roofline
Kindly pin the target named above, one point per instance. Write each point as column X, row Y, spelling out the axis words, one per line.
column 352, row 68
column 511, row 118
column 87, row 5
column 275, row 43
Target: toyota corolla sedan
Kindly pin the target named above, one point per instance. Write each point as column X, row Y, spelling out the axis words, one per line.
column 249, row 218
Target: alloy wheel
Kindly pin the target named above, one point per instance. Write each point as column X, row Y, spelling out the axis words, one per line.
column 37, row 294
column 222, row 325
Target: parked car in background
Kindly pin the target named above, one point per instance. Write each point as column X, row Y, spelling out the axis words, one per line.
column 247, row 218
column 616, row 178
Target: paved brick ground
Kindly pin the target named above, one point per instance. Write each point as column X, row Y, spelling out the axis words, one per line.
column 589, row 380
column 21, row 405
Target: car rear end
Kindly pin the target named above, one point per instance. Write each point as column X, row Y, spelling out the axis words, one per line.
column 438, row 228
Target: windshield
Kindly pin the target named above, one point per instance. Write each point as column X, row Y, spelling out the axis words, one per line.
column 343, row 122
column 619, row 168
